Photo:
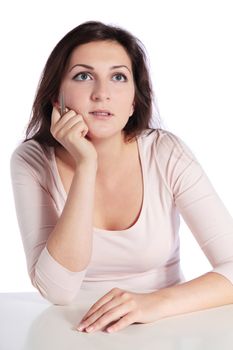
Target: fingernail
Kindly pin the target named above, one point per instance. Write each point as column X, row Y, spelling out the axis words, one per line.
column 80, row 327
column 89, row 329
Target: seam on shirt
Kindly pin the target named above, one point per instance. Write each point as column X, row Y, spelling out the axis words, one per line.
column 178, row 142
column 183, row 152
column 192, row 185
column 25, row 163
column 158, row 166
column 216, row 237
column 34, row 174
column 160, row 171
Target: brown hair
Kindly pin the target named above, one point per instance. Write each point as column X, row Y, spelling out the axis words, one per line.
column 55, row 68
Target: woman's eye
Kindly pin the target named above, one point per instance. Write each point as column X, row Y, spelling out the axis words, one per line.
column 119, row 77
column 82, row 76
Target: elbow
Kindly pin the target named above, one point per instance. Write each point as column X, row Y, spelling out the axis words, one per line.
column 225, row 270
column 62, row 299
column 57, row 296
column 54, row 282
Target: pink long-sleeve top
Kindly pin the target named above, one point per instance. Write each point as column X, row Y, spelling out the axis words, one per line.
column 144, row 257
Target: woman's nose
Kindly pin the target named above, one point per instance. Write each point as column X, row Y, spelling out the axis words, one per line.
column 100, row 92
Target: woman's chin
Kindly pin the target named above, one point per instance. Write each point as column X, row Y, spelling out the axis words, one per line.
column 98, row 135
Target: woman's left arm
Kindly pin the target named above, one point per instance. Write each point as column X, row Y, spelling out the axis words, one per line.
column 204, row 292
column 212, row 226
column 118, row 308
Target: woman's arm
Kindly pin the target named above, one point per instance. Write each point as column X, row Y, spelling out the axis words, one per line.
column 56, row 275
column 70, row 243
column 212, row 226
column 118, row 308
column 204, row 292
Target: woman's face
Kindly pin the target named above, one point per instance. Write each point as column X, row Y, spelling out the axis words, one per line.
column 99, row 79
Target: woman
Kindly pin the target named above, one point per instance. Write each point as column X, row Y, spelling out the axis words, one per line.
column 98, row 193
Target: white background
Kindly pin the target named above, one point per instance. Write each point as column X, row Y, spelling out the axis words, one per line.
column 189, row 44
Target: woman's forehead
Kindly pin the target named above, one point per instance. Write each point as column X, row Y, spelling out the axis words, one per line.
column 109, row 52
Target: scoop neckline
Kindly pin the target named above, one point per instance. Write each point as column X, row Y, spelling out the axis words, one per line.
column 140, row 216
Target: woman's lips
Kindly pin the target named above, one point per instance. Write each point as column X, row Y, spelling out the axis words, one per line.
column 101, row 114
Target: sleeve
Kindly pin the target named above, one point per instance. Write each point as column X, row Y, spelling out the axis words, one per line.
column 199, row 204
column 37, row 216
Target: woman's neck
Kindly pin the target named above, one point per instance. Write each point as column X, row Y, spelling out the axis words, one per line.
column 112, row 155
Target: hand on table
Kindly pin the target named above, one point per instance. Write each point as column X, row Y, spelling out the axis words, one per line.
column 118, row 309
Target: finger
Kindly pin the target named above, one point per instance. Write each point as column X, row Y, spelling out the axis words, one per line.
column 110, row 306
column 109, row 317
column 58, row 119
column 78, row 129
column 106, row 298
column 85, row 131
column 55, row 116
column 66, row 123
column 122, row 323
column 95, row 308
column 70, row 114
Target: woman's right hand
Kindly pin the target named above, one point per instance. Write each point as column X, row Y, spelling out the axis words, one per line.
column 70, row 131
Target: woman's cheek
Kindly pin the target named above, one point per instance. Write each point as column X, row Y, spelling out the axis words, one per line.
column 74, row 102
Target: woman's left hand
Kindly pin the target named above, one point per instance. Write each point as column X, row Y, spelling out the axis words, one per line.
column 118, row 309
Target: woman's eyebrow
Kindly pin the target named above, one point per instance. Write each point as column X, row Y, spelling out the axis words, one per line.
column 92, row 68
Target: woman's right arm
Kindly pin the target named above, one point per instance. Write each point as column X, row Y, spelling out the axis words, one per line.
column 57, row 246
column 70, row 243
column 41, row 220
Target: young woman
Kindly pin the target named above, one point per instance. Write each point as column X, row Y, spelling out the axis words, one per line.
column 98, row 192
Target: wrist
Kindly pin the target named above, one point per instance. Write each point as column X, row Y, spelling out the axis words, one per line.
column 87, row 164
column 162, row 303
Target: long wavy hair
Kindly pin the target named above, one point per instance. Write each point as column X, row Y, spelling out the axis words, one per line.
column 56, row 67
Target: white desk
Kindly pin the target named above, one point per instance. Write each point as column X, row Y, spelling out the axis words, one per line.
column 28, row 322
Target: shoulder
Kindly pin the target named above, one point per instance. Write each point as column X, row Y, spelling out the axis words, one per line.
column 31, row 155
column 168, row 155
column 163, row 144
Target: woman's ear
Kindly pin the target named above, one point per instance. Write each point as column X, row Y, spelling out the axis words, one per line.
column 56, row 104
